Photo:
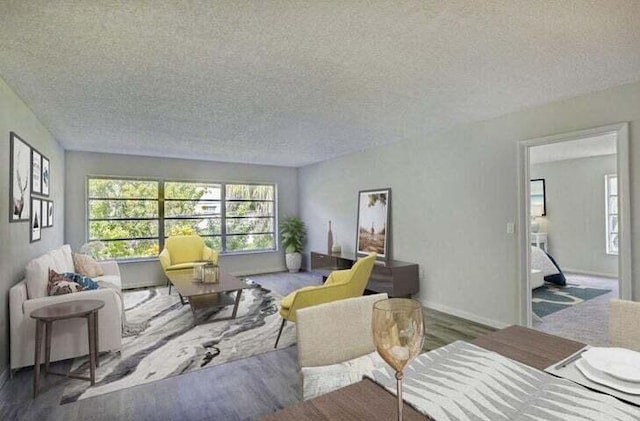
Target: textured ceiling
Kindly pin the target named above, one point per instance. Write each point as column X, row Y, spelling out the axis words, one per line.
column 574, row 149
column 292, row 82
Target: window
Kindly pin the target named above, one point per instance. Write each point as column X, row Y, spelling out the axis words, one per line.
column 249, row 217
column 193, row 208
column 611, row 205
column 134, row 217
column 124, row 215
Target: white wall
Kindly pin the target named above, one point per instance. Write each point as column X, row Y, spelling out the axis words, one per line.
column 15, row 248
column 82, row 164
column 453, row 194
column 575, row 221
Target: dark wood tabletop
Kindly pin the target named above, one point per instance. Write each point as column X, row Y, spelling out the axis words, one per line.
column 67, row 310
column 530, row 347
column 187, row 286
column 366, row 400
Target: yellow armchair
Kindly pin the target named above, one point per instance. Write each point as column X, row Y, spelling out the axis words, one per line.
column 182, row 252
column 341, row 284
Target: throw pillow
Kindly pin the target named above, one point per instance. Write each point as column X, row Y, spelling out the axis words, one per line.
column 84, row 281
column 86, row 265
column 59, row 284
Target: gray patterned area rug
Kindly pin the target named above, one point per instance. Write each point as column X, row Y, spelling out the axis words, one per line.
column 461, row 381
column 171, row 345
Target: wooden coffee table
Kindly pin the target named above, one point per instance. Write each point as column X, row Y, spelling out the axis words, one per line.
column 201, row 295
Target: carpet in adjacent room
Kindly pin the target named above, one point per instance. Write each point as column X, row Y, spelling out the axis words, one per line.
column 550, row 298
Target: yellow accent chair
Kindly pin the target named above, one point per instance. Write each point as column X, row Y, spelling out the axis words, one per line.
column 339, row 285
column 182, row 252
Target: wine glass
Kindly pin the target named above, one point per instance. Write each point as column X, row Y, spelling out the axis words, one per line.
column 398, row 334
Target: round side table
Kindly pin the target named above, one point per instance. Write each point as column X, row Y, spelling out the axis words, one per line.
column 45, row 317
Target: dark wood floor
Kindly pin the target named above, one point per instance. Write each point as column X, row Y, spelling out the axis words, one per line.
column 239, row 390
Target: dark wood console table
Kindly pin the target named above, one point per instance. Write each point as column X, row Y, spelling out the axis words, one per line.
column 396, row 278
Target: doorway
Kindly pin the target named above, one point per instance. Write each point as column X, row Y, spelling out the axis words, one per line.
column 548, row 228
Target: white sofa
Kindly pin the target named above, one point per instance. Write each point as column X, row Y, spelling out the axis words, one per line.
column 69, row 337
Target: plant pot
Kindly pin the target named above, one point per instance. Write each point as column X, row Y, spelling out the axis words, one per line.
column 293, row 261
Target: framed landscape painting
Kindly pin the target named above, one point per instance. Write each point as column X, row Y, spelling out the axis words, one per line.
column 20, row 172
column 373, row 222
column 36, row 219
column 36, row 172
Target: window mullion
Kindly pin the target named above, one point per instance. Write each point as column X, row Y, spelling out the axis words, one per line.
column 223, row 217
column 161, row 215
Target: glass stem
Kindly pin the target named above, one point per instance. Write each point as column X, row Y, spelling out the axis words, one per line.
column 399, row 376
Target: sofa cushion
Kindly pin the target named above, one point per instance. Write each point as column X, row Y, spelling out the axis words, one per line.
column 112, row 279
column 37, row 270
column 37, row 275
column 62, row 259
column 86, row 265
column 319, row 380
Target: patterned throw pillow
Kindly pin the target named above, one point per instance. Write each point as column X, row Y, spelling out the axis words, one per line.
column 86, row 265
column 84, row 281
column 59, row 284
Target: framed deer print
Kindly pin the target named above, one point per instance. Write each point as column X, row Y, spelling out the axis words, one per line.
column 20, row 172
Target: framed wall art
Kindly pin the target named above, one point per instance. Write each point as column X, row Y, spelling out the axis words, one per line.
column 50, row 213
column 538, row 201
column 36, row 219
column 20, row 174
column 46, row 173
column 373, row 222
column 36, row 172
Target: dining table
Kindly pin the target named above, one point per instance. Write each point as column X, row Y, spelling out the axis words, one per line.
column 367, row 400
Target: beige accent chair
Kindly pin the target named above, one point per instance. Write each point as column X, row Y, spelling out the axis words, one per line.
column 339, row 285
column 624, row 324
column 335, row 344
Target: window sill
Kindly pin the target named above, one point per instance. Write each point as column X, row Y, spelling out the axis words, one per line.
column 226, row 253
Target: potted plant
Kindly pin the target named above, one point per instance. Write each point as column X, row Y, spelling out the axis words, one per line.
column 292, row 232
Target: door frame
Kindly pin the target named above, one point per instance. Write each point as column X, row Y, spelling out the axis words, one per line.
column 624, row 209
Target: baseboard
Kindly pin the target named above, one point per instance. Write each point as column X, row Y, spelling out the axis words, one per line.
column 250, row 272
column 587, row 272
column 259, row 271
column 465, row 315
column 4, row 376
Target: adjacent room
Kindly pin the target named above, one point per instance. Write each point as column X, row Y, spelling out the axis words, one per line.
column 574, row 236
column 319, row 210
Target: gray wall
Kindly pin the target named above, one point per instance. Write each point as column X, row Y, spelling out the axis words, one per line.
column 575, row 221
column 15, row 249
column 82, row 164
column 454, row 192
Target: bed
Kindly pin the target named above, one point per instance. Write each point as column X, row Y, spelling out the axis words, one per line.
column 545, row 263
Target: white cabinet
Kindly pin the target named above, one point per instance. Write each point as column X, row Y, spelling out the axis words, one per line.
column 539, row 239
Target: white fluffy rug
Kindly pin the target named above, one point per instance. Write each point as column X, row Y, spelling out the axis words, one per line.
column 172, row 345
